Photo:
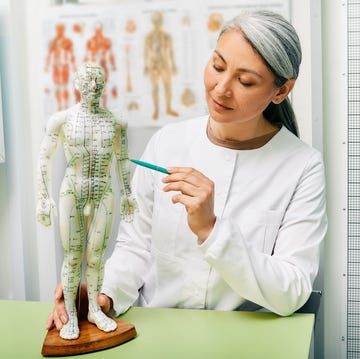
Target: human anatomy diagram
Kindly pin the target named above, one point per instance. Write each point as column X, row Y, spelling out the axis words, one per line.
column 99, row 50
column 152, row 56
column 159, row 63
column 61, row 58
column 91, row 137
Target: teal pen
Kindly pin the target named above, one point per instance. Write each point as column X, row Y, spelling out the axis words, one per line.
column 149, row 165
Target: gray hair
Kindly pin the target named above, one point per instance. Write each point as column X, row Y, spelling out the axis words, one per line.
column 273, row 37
column 277, row 42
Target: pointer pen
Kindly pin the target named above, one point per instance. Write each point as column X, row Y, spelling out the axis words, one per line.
column 149, row 165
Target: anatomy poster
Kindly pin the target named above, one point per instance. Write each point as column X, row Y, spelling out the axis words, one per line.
column 153, row 55
column 68, row 42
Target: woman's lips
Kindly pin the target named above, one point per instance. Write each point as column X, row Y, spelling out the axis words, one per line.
column 219, row 106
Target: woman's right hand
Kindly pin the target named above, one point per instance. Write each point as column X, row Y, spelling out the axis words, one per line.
column 58, row 317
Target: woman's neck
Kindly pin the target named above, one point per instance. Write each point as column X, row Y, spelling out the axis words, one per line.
column 241, row 131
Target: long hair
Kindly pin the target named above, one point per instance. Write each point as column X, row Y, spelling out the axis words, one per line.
column 277, row 42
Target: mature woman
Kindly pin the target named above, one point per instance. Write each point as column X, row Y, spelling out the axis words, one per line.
column 241, row 216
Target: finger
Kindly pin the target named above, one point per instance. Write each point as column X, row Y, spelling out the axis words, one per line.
column 183, row 187
column 104, row 302
column 180, row 169
column 55, row 320
column 50, row 322
column 191, row 203
column 58, row 323
column 202, row 191
column 187, row 174
column 60, row 316
column 183, row 199
column 58, row 294
column 188, row 182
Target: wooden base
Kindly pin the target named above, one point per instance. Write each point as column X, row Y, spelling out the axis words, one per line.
column 91, row 339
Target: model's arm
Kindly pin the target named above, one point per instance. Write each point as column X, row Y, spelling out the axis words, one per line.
column 71, row 54
column 171, row 54
column 147, row 49
column 127, row 202
column 108, row 47
column 50, row 142
column 280, row 281
column 49, row 55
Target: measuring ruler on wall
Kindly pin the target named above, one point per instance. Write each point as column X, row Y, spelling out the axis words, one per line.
column 353, row 222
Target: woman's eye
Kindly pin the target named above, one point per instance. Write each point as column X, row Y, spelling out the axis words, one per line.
column 217, row 68
column 246, row 84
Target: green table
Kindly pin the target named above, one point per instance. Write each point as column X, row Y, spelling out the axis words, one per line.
column 170, row 334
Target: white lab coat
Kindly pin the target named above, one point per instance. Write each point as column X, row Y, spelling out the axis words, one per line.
column 265, row 247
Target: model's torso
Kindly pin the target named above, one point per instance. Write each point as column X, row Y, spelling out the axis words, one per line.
column 158, row 45
column 88, row 145
column 98, row 48
column 62, row 51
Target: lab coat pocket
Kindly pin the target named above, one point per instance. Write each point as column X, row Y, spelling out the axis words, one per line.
column 260, row 228
column 165, row 222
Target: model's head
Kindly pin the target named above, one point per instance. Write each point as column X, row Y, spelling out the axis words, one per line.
column 157, row 18
column 90, row 81
column 60, row 28
column 277, row 43
column 274, row 38
column 98, row 28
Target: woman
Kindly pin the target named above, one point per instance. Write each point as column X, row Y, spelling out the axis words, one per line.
column 242, row 216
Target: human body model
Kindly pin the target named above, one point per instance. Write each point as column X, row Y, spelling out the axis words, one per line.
column 90, row 136
column 159, row 63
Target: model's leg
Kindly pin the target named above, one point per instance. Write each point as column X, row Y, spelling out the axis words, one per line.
column 72, row 237
column 98, row 238
column 103, row 64
column 65, row 81
column 166, row 76
column 57, row 83
column 155, row 93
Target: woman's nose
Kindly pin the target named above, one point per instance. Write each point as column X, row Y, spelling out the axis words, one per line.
column 223, row 87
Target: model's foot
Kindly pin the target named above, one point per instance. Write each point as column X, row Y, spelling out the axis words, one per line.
column 155, row 115
column 71, row 329
column 102, row 321
column 172, row 113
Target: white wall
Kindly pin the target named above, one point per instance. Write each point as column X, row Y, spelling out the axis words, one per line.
column 13, row 184
column 335, row 138
column 307, row 93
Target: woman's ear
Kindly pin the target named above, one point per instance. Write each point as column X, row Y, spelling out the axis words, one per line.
column 283, row 91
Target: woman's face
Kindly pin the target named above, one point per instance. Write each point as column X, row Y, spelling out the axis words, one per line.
column 238, row 84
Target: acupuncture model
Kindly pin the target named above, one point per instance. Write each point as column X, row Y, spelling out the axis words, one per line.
column 91, row 136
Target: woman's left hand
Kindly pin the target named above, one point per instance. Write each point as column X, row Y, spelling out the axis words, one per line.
column 196, row 194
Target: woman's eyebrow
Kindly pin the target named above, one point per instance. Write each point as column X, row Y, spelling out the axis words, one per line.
column 241, row 69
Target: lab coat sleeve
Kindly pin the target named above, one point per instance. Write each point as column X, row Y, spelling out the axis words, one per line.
column 281, row 281
column 128, row 265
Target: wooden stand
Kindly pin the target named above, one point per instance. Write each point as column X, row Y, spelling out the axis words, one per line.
column 91, row 339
